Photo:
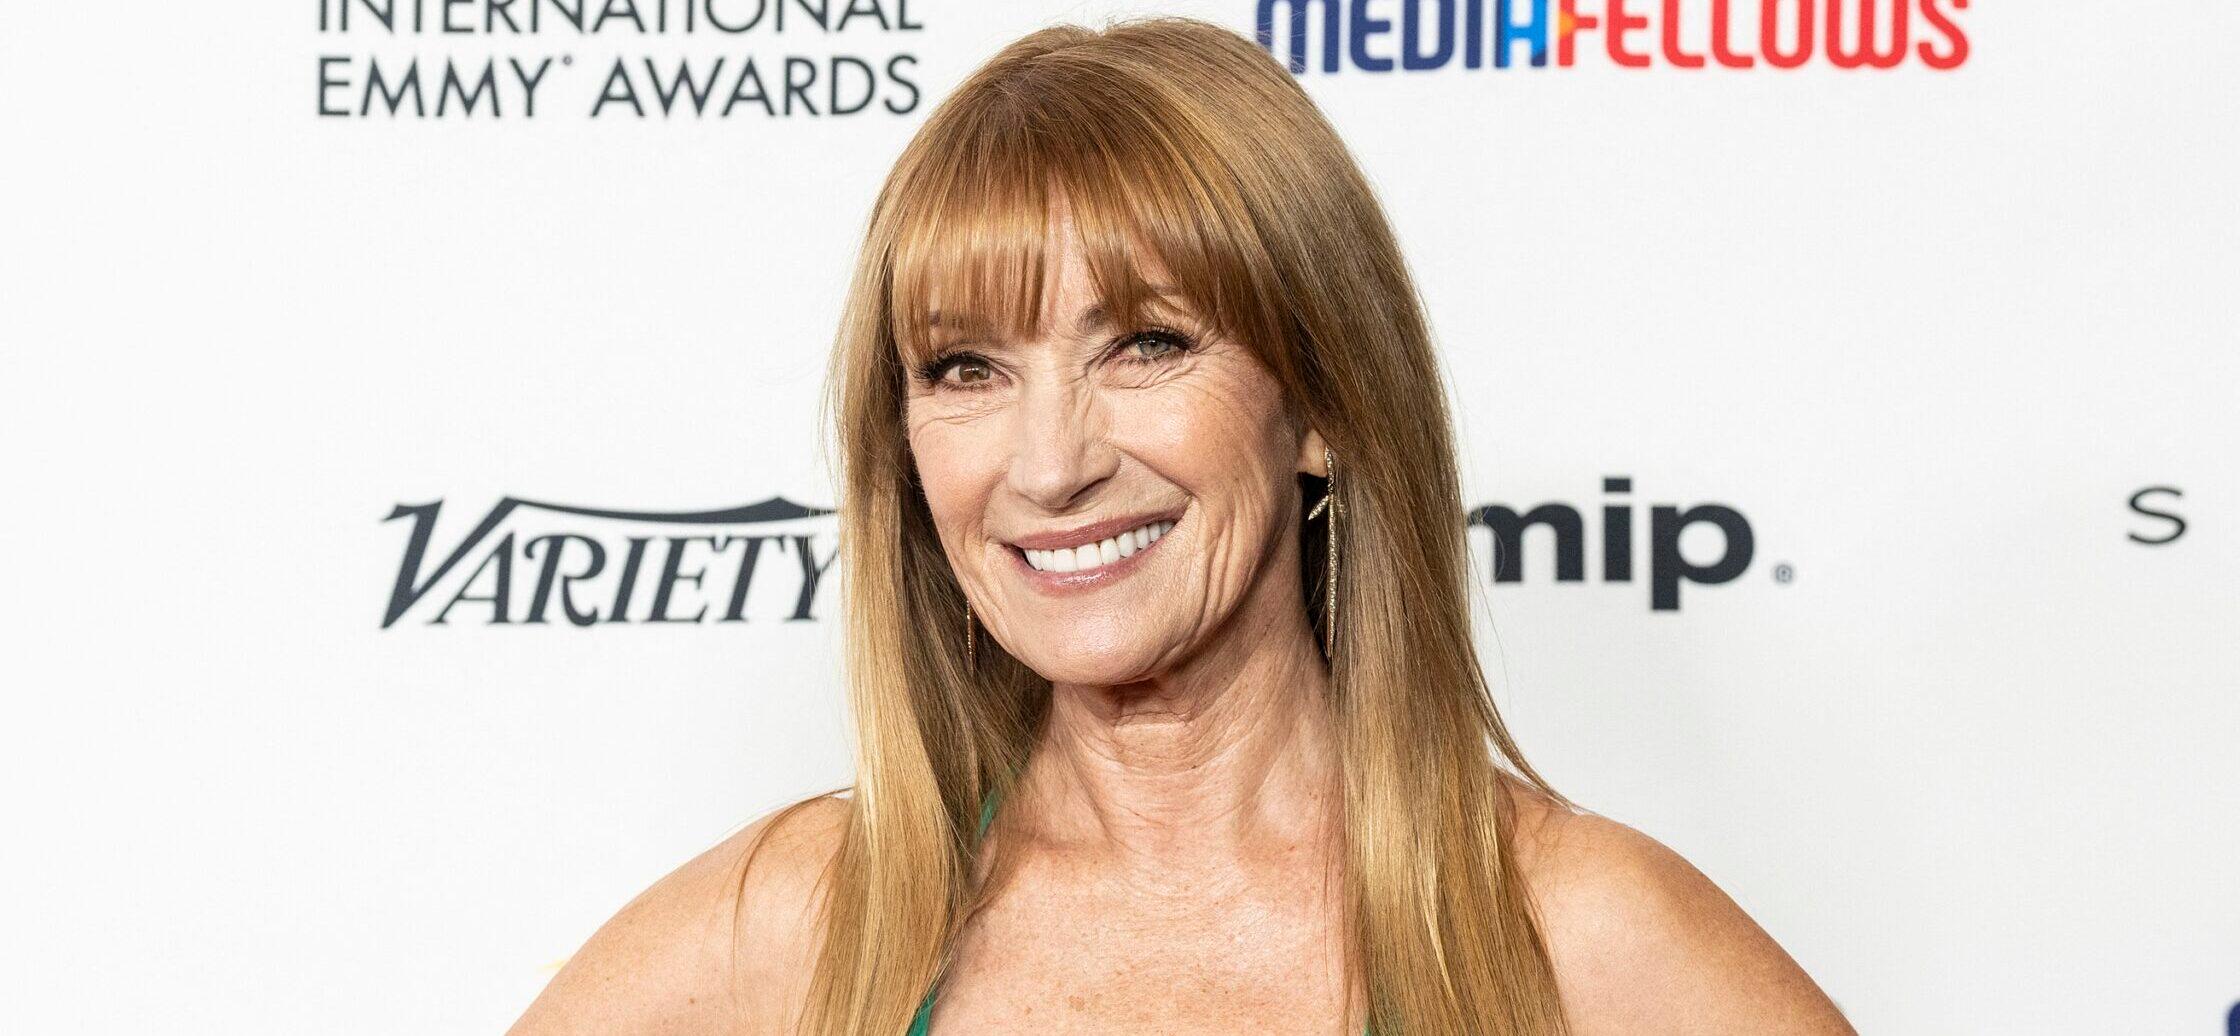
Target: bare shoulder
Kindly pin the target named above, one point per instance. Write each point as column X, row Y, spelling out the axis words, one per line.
column 722, row 944
column 1644, row 942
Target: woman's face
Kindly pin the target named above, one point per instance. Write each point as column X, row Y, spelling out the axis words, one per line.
column 1110, row 496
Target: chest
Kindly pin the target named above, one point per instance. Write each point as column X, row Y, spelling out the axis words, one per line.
column 1217, row 953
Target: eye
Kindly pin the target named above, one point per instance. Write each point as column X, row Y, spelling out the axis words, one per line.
column 1156, row 343
column 961, row 370
column 968, row 370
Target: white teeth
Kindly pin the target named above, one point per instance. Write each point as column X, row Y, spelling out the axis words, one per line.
column 1096, row 555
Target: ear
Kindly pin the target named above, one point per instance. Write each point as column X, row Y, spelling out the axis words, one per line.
column 1313, row 454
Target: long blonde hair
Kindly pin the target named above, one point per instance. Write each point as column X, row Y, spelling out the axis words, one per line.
column 1177, row 140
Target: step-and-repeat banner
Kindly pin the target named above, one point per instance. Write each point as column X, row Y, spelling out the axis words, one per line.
column 423, row 531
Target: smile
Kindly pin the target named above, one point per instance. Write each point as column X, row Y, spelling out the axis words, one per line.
column 1097, row 553
column 1089, row 555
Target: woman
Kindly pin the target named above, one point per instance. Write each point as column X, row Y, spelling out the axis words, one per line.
column 1168, row 714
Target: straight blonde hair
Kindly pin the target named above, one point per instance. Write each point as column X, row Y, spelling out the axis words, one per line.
column 1174, row 140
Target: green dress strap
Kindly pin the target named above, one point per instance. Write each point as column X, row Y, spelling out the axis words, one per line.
column 921, row 1024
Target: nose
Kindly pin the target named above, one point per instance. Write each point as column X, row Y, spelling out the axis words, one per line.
column 1060, row 450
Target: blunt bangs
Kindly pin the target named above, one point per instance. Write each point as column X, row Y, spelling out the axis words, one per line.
column 975, row 235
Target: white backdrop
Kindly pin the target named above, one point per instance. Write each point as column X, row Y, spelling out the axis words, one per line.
column 1955, row 735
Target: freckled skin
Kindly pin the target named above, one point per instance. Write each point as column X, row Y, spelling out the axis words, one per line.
column 1058, row 431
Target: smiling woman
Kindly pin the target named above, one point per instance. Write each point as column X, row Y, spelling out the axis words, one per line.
column 1168, row 713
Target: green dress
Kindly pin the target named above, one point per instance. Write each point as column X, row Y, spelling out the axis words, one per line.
column 921, row 1024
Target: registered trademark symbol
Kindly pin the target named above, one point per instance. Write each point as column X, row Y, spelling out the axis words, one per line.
column 1783, row 574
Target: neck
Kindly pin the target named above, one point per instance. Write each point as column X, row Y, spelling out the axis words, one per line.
column 1232, row 753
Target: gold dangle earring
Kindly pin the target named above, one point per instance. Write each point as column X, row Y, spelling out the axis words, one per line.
column 971, row 647
column 1329, row 502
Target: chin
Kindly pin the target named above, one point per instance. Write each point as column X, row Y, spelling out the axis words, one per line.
column 1082, row 657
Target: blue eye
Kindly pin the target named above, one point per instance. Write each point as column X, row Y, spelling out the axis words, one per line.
column 1155, row 344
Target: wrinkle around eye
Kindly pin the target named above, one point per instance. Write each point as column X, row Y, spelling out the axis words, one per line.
column 954, row 408
column 1154, row 371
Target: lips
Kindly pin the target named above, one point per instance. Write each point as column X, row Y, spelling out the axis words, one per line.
column 1095, row 553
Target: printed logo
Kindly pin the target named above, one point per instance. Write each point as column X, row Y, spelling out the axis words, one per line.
column 1631, row 34
column 1668, row 568
column 704, row 576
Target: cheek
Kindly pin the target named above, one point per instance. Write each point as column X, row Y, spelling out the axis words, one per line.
column 956, row 470
column 1214, row 435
